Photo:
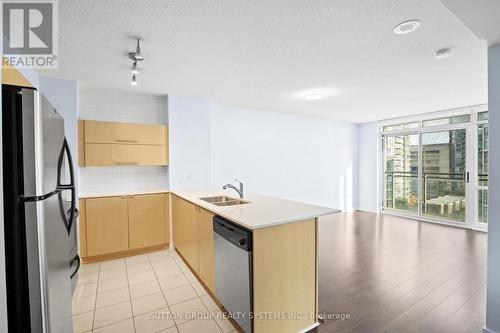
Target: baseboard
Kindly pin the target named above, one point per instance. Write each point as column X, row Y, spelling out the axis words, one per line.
column 128, row 253
column 486, row 330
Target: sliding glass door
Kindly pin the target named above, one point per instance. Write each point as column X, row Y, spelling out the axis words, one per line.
column 444, row 175
column 482, row 170
column 401, row 172
column 437, row 169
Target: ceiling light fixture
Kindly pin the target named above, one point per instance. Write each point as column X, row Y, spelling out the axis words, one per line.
column 406, row 27
column 315, row 96
column 135, row 57
column 135, row 70
column 443, row 53
column 134, row 81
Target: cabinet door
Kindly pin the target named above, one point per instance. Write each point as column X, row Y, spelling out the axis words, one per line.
column 107, row 225
column 97, row 154
column 114, row 132
column 185, row 231
column 206, row 254
column 146, row 220
column 176, row 221
column 190, row 230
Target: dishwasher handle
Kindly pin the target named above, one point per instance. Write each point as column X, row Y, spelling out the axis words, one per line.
column 233, row 233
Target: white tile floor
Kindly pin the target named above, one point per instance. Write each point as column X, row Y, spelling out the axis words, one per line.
column 152, row 292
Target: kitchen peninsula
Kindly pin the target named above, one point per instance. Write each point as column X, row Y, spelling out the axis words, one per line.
column 283, row 253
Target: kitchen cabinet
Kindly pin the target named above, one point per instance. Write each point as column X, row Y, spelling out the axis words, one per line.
column 194, row 238
column 10, row 75
column 118, row 226
column 283, row 258
column 112, row 154
column 107, row 225
column 186, row 230
column 146, row 220
column 113, row 132
column 103, row 143
column 206, row 252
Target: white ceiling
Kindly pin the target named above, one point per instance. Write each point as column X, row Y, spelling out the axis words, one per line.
column 481, row 16
column 263, row 54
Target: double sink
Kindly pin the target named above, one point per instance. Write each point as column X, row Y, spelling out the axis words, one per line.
column 224, row 201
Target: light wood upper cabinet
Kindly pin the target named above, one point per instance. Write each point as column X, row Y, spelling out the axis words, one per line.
column 110, row 143
column 112, row 132
column 107, row 225
column 112, row 154
column 206, row 251
column 147, row 220
column 10, row 75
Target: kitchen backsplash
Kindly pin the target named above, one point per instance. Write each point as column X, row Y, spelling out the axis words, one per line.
column 119, row 179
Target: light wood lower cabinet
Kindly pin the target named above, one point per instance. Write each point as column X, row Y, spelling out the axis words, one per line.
column 125, row 225
column 206, row 251
column 146, row 220
column 194, row 238
column 186, row 230
column 107, row 225
column 284, row 265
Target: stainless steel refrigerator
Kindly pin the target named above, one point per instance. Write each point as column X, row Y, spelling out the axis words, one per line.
column 39, row 214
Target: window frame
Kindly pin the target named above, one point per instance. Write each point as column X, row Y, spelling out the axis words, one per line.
column 472, row 126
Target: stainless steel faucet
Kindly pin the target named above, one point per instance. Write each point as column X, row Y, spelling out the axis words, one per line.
column 239, row 190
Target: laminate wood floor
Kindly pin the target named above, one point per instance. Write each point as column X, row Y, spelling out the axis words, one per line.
column 390, row 274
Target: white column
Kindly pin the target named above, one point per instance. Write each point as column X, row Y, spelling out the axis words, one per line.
column 493, row 290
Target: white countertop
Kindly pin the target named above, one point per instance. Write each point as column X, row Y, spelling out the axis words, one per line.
column 261, row 211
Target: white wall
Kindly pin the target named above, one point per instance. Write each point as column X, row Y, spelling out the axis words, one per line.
column 368, row 147
column 493, row 289
column 190, row 142
column 113, row 105
column 299, row 158
column 63, row 95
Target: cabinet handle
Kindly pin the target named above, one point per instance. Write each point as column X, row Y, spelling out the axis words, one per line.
column 126, row 163
column 123, row 140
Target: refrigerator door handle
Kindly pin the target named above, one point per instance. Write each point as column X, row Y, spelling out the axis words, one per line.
column 71, row 186
column 77, row 259
column 65, row 149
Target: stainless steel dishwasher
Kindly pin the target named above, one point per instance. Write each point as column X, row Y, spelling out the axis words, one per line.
column 233, row 270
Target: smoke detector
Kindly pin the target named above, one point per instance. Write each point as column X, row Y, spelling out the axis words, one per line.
column 406, row 27
column 443, row 53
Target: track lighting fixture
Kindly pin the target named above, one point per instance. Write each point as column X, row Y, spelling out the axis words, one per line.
column 135, row 57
